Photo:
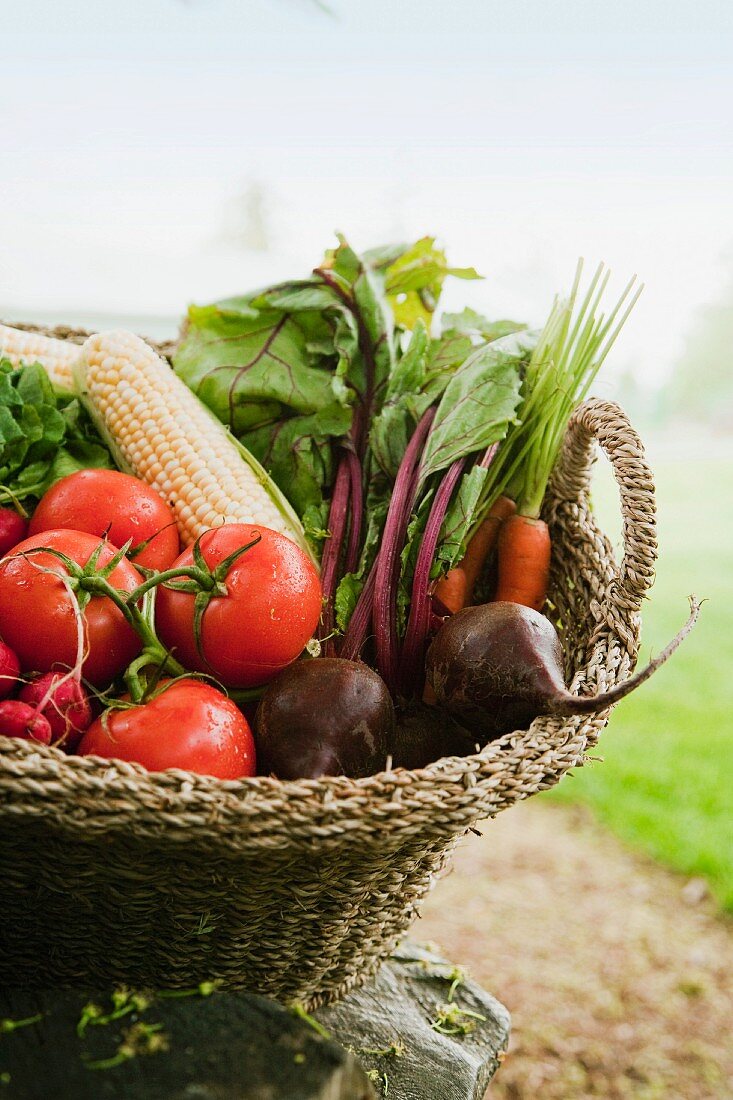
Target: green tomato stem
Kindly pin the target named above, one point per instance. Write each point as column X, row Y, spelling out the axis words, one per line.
column 188, row 571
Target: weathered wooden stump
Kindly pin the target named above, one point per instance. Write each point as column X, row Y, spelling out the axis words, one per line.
column 416, row 1030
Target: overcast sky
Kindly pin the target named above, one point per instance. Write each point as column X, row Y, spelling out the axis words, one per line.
column 522, row 134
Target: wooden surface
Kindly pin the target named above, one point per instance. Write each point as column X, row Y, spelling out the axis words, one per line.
column 391, row 1038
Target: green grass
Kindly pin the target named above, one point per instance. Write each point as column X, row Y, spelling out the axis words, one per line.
column 666, row 783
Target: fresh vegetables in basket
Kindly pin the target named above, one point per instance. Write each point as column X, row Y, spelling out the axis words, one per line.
column 324, row 422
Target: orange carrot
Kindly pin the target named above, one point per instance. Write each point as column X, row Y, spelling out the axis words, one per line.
column 451, row 589
column 524, row 561
column 484, row 540
column 455, row 589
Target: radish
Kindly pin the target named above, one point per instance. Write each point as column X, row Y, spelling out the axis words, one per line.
column 21, row 720
column 9, row 670
column 13, row 529
column 63, row 702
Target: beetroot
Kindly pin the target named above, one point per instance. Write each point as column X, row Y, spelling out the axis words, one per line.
column 66, row 707
column 324, row 717
column 9, row 670
column 13, row 529
column 21, row 720
column 424, row 734
column 498, row 666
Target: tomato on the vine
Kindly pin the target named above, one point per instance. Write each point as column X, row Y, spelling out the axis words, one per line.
column 37, row 614
column 118, row 505
column 271, row 607
column 188, row 724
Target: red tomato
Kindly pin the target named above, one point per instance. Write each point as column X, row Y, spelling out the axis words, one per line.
column 13, row 528
column 271, row 610
column 37, row 617
column 99, row 501
column 190, row 725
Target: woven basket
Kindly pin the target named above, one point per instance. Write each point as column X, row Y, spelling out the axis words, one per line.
column 298, row 889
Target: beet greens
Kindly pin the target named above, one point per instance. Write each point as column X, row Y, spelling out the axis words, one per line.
column 383, row 432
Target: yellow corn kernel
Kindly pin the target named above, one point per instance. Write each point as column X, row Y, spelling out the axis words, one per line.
column 159, row 431
column 57, row 357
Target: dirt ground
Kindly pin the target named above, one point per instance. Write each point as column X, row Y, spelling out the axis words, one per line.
column 617, row 973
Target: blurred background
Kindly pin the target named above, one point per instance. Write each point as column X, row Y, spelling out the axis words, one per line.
column 159, row 152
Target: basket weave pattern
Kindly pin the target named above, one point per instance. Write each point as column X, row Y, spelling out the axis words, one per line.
column 297, row 890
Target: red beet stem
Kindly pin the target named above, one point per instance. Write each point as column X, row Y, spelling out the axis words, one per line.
column 357, row 508
column 412, row 662
column 337, row 517
column 489, row 454
column 388, row 558
column 358, row 628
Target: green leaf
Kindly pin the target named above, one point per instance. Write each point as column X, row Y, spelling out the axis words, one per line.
column 297, row 452
column 414, row 281
column 303, row 294
column 471, row 323
column 43, row 435
column 459, row 518
column 34, row 387
column 478, row 404
column 447, row 354
column 315, row 523
column 363, row 287
column 404, row 404
column 77, row 455
column 347, row 593
column 283, row 368
column 253, row 366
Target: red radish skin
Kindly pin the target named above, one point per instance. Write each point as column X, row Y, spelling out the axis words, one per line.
column 13, row 529
column 18, row 719
column 64, row 704
column 9, row 670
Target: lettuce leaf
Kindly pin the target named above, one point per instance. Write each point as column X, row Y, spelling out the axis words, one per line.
column 44, row 435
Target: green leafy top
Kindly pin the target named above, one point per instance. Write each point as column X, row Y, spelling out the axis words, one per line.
column 44, row 434
column 287, row 367
column 568, row 354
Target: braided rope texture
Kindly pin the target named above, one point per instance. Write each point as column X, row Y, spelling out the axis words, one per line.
column 297, row 890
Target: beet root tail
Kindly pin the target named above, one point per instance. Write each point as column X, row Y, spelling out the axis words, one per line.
column 566, row 705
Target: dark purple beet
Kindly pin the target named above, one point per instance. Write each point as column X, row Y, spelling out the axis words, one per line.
column 425, row 734
column 324, row 717
column 498, row 666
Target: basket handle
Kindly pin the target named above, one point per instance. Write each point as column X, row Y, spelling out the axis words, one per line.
column 606, row 423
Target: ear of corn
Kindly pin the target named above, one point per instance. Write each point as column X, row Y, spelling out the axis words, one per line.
column 158, row 430
column 57, row 357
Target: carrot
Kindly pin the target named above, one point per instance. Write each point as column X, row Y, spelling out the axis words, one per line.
column 455, row 589
column 524, row 561
column 451, row 589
